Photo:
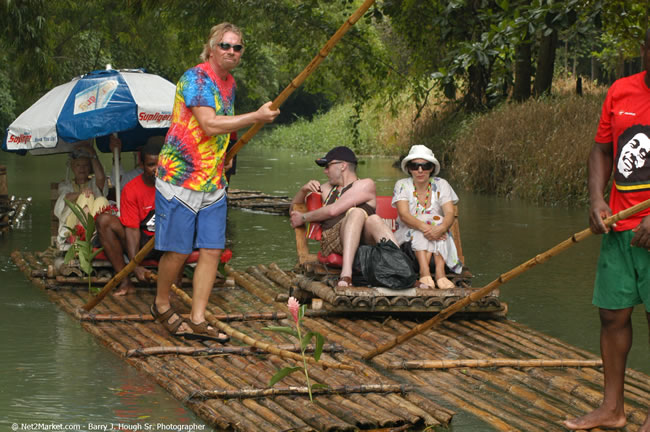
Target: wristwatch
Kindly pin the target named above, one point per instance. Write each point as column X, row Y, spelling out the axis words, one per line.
column 304, row 219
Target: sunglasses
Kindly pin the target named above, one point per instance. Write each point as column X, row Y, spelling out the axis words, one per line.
column 226, row 46
column 333, row 163
column 414, row 166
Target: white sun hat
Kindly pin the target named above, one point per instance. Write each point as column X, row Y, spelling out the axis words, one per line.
column 420, row 152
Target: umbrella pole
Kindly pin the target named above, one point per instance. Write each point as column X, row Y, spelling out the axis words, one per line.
column 539, row 259
column 311, row 67
column 137, row 259
column 116, row 176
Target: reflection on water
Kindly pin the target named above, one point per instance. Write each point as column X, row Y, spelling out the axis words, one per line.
column 53, row 371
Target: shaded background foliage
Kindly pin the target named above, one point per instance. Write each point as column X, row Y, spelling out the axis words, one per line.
column 404, row 55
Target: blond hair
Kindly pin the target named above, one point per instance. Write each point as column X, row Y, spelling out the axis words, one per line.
column 216, row 34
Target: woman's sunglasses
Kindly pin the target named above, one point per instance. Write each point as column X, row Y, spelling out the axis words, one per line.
column 414, row 166
column 226, row 46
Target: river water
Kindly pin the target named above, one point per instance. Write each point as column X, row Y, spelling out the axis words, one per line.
column 55, row 373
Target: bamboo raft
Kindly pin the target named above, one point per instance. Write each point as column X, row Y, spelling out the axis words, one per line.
column 520, row 379
column 12, row 209
column 258, row 201
column 322, row 291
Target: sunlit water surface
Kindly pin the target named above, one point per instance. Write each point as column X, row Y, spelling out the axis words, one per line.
column 54, row 372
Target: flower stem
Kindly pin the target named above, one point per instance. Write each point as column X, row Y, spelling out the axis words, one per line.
column 304, row 361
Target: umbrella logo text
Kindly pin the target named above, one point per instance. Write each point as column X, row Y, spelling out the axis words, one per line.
column 19, row 139
column 155, row 117
column 95, row 97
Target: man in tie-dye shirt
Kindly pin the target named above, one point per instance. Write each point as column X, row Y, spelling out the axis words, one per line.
column 190, row 185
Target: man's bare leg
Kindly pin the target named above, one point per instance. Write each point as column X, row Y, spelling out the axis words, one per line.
column 615, row 344
column 205, row 274
column 645, row 427
column 113, row 239
column 169, row 266
column 351, row 229
column 375, row 229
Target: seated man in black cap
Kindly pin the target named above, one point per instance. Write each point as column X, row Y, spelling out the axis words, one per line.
column 348, row 213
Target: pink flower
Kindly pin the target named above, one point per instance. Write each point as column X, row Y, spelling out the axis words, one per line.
column 293, row 306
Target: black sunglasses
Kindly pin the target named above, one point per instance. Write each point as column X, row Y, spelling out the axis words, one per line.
column 414, row 166
column 226, row 46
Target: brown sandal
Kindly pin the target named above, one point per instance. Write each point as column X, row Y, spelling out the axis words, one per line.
column 204, row 331
column 164, row 319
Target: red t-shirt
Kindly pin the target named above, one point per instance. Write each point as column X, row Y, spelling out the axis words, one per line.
column 625, row 122
column 137, row 206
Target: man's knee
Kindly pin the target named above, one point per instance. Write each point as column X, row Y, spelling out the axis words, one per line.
column 355, row 214
column 209, row 254
column 107, row 223
column 375, row 225
column 615, row 318
column 102, row 220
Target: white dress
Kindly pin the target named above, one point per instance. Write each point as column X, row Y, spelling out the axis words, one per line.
column 63, row 212
column 441, row 193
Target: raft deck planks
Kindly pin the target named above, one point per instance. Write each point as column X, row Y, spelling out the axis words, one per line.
column 507, row 398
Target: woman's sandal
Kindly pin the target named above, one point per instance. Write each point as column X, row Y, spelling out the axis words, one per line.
column 204, row 331
column 445, row 284
column 346, row 279
column 164, row 319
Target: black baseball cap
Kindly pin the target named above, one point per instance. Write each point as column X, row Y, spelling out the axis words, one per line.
column 341, row 153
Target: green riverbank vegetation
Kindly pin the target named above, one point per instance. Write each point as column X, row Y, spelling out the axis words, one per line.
column 406, row 72
column 534, row 150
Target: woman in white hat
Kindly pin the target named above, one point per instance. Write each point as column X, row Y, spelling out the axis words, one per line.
column 425, row 205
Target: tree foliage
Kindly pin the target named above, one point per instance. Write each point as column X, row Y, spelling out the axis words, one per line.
column 474, row 49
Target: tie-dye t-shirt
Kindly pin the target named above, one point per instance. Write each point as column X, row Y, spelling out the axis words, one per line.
column 190, row 158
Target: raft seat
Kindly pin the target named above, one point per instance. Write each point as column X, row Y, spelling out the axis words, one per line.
column 384, row 209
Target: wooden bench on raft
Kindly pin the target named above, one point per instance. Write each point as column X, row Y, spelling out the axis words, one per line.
column 317, row 282
column 384, row 209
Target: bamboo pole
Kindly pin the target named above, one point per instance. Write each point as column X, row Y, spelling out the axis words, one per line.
column 311, row 67
column 294, row 390
column 144, row 317
column 205, row 351
column 230, row 331
column 505, row 277
column 137, row 259
column 255, row 374
column 494, row 362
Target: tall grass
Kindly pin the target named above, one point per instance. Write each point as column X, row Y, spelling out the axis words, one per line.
column 380, row 132
column 325, row 131
column 536, row 150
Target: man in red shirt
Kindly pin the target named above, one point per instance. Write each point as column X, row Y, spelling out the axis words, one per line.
column 621, row 149
column 136, row 224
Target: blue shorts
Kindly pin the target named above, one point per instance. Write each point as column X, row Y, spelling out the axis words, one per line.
column 181, row 229
column 623, row 273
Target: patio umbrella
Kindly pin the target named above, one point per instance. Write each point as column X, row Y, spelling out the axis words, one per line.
column 132, row 103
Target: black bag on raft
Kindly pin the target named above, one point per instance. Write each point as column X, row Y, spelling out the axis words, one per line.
column 383, row 265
